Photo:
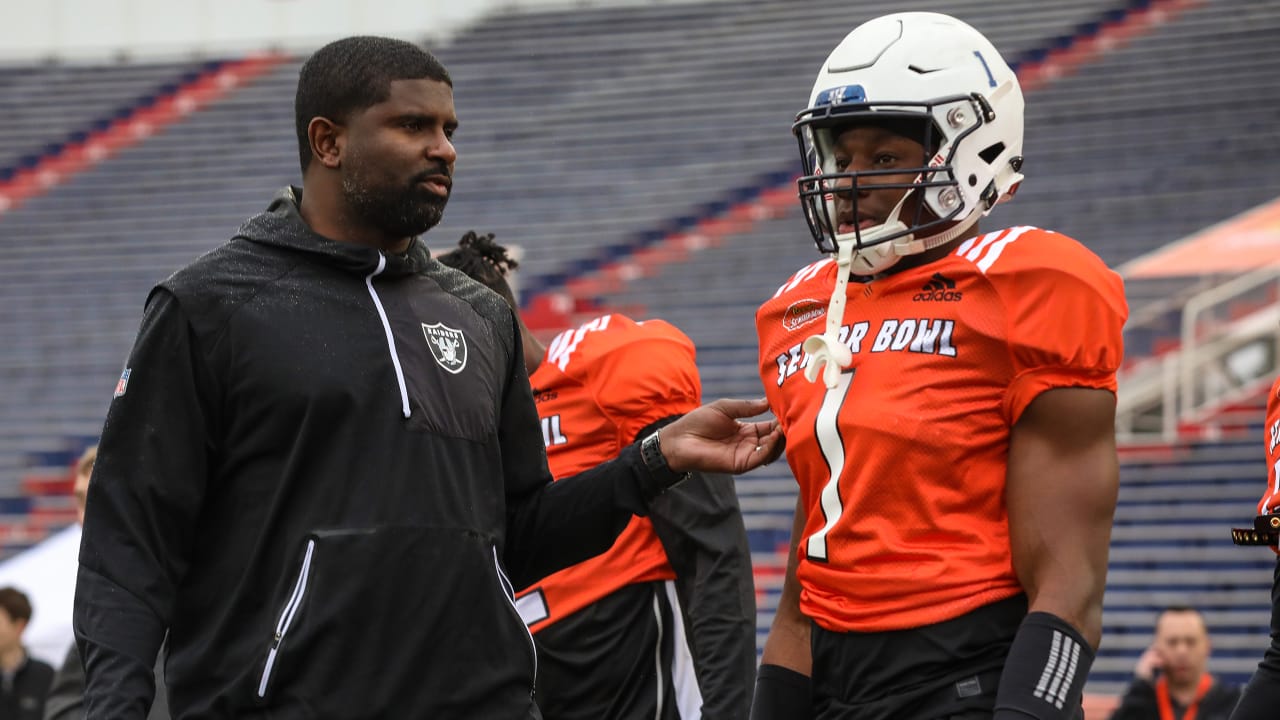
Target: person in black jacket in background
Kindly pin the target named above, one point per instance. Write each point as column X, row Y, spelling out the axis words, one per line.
column 24, row 680
column 322, row 471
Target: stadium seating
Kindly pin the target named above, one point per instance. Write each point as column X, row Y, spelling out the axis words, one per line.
column 47, row 106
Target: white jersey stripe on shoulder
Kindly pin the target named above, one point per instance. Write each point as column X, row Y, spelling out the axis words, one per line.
column 993, row 253
column 983, row 241
column 964, row 246
column 803, row 274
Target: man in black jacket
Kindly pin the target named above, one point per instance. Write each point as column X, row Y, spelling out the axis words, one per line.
column 322, row 471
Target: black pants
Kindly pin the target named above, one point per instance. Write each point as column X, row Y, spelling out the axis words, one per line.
column 613, row 659
column 1261, row 698
column 947, row 671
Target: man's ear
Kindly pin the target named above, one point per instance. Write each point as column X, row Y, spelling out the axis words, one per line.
column 327, row 141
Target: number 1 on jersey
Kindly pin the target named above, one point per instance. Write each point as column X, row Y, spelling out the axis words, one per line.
column 827, row 431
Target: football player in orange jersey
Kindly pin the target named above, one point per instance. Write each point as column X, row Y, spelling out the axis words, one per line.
column 663, row 624
column 948, row 400
column 1261, row 698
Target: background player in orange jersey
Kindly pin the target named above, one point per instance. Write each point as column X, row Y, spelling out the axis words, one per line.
column 951, row 428
column 663, row 624
column 1261, row 698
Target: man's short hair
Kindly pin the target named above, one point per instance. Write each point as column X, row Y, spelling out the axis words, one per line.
column 15, row 603
column 1180, row 609
column 84, row 465
column 1177, row 609
column 355, row 73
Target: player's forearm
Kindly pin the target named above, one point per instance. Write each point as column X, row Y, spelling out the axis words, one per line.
column 788, row 647
column 1073, row 592
column 788, row 641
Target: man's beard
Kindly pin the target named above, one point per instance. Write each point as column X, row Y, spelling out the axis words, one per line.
column 399, row 212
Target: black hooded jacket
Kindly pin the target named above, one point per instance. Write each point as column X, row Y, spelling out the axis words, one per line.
column 322, row 472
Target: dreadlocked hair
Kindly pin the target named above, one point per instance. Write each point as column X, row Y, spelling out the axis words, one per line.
column 490, row 251
column 484, row 261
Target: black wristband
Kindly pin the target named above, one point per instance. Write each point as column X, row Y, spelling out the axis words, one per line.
column 781, row 694
column 656, row 463
column 1044, row 675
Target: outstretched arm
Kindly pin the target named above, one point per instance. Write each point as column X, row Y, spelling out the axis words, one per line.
column 551, row 526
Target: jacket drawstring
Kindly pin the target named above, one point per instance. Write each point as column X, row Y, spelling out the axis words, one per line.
column 386, row 327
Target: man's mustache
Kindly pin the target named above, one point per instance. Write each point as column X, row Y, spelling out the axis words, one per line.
column 440, row 170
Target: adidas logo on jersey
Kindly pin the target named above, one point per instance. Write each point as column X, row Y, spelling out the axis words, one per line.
column 939, row 289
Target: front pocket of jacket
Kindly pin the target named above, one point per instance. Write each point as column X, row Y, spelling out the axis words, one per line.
column 397, row 622
column 287, row 615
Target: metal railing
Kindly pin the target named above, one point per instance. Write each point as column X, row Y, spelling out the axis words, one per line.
column 1226, row 351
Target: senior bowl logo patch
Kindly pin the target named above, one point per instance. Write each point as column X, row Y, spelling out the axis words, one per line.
column 802, row 312
column 448, row 346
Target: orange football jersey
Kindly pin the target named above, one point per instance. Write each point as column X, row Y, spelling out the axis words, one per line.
column 902, row 465
column 598, row 386
column 1270, row 502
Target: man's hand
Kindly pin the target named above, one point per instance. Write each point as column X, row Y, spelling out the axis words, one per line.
column 713, row 439
column 1149, row 664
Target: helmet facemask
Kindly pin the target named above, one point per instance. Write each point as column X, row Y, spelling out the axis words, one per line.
column 939, row 203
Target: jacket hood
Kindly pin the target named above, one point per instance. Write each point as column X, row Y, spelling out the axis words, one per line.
column 282, row 226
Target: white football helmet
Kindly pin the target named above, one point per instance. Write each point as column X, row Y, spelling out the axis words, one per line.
column 934, row 75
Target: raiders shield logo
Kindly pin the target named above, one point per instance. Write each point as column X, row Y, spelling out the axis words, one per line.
column 448, row 346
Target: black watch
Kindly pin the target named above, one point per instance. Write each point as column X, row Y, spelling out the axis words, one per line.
column 656, row 464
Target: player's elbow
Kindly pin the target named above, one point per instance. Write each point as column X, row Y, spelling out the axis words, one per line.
column 1072, row 592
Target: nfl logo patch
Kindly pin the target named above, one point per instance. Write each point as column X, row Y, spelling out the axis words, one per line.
column 123, row 383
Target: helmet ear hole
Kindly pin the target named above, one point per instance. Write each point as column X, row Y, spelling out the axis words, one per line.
column 991, row 152
column 973, row 181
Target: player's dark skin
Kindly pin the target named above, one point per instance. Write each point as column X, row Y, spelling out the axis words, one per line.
column 874, row 148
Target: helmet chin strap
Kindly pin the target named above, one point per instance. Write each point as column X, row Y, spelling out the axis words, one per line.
column 829, row 356
column 826, row 353
column 909, row 245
